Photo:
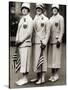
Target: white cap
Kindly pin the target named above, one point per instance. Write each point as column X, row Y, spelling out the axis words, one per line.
column 27, row 5
column 55, row 6
column 39, row 6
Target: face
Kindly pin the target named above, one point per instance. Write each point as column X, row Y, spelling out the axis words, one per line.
column 38, row 11
column 55, row 11
column 24, row 11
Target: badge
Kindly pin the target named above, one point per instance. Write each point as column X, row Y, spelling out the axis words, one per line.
column 42, row 18
column 42, row 24
column 24, row 26
column 56, row 24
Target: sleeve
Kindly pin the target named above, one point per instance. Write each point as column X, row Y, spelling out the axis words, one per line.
column 61, row 29
column 34, row 23
column 45, row 40
column 29, row 31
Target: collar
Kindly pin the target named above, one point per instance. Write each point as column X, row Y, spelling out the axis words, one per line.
column 26, row 16
column 56, row 15
column 40, row 15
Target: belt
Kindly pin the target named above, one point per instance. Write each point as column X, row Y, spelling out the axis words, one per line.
column 36, row 43
column 25, row 46
column 53, row 43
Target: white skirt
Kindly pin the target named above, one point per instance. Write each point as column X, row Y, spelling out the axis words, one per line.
column 25, row 56
column 36, row 55
column 54, row 56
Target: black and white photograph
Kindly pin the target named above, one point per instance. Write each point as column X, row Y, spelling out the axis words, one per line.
column 37, row 44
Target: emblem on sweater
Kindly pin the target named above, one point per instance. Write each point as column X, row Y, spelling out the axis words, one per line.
column 42, row 18
column 24, row 26
column 42, row 24
column 56, row 24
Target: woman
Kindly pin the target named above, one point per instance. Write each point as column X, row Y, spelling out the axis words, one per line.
column 55, row 47
column 40, row 39
column 23, row 40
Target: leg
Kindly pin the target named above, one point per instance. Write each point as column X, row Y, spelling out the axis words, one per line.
column 37, row 78
column 57, row 69
column 36, row 54
column 54, row 76
column 53, row 71
column 41, row 78
column 24, row 65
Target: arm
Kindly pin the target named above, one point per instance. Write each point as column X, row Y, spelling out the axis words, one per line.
column 28, row 32
column 34, row 23
column 61, row 29
column 45, row 40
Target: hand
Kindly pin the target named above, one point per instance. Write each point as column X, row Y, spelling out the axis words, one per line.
column 58, row 44
column 42, row 46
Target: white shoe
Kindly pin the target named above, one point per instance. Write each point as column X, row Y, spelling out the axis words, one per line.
column 51, row 78
column 34, row 80
column 40, row 82
column 41, row 79
column 22, row 81
column 55, row 78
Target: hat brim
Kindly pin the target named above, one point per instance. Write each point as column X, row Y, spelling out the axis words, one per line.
column 55, row 7
column 39, row 8
column 26, row 8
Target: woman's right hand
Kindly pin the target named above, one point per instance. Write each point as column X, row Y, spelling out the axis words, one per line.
column 58, row 44
column 42, row 45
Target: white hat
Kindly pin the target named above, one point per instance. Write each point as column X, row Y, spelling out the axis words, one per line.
column 39, row 6
column 55, row 6
column 27, row 5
